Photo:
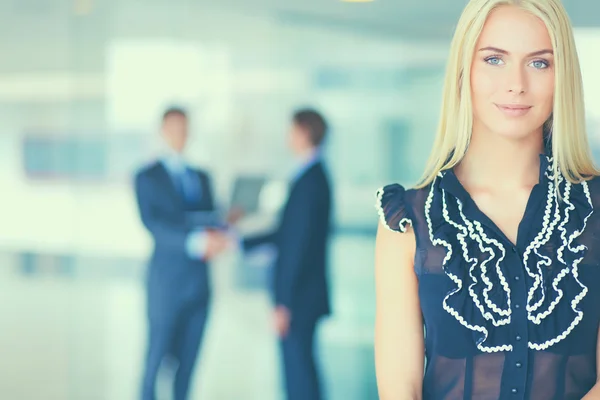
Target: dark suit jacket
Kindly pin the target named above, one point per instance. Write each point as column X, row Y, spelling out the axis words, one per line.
column 300, row 280
column 172, row 274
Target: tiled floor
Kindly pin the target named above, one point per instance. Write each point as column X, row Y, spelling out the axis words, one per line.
column 83, row 339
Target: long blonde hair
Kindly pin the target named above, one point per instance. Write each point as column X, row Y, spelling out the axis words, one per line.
column 566, row 126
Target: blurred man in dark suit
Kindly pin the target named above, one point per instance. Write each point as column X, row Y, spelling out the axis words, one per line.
column 300, row 287
column 169, row 192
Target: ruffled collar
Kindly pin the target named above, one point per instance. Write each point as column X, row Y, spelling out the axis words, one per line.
column 476, row 260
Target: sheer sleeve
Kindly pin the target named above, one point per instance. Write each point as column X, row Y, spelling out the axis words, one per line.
column 392, row 208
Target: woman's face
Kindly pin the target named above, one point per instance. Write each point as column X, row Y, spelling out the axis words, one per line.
column 512, row 75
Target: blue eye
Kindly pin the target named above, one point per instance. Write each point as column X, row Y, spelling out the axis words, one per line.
column 539, row 64
column 494, row 60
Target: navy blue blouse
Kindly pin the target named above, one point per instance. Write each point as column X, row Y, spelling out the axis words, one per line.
column 505, row 321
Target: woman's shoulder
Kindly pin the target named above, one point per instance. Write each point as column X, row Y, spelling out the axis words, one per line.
column 398, row 205
column 594, row 184
column 589, row 190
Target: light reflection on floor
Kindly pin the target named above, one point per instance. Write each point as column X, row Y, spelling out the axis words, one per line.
column 83, row 338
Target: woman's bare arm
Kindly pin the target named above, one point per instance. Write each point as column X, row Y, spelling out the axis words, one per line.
column 594, row 394
column 399, row 352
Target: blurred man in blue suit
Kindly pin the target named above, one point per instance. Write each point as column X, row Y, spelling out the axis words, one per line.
column 168, row 193
column 300, row 286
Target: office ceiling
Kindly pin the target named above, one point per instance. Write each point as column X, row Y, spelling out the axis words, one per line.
column 66, row 34
column 413, row 18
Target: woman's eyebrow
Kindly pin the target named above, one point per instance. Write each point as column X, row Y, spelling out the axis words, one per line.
column 532, row 54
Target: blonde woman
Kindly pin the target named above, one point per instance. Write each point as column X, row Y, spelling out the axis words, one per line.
column 497, row 251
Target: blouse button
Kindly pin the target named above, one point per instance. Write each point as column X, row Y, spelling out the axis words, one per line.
column 518, row 365
column 517, row 306
column 518, row 338
column 514, row 391
column 517, row 278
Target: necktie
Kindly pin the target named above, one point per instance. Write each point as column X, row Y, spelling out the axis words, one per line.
column 189, row 186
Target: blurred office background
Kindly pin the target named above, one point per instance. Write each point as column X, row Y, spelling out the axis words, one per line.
column 82, row 86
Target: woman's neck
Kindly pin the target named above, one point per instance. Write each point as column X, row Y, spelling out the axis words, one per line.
column 505, row 163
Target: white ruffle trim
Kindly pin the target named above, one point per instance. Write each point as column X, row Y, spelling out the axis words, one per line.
column 490, row 311
column 404, row 222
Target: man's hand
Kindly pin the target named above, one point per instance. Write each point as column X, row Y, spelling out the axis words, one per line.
column 216, row 243
column 282, row 319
